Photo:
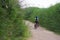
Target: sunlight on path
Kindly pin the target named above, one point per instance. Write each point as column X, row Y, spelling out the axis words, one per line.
column 41, row 33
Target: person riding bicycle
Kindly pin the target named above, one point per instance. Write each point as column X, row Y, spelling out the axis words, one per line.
column 36, row 22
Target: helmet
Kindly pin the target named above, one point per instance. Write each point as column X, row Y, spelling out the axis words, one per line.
column 36, row 16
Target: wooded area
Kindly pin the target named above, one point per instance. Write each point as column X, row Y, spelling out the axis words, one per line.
column 12, row 26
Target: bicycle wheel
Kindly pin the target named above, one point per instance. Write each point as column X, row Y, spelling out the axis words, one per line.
column 35, row 26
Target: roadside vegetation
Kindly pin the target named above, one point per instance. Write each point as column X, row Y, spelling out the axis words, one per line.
column 12, row 26
column 48, row 17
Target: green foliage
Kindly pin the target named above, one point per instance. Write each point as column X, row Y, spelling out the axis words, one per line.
column 11, row 21
column 48, row 17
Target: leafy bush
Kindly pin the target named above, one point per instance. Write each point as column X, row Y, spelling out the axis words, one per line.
column 11, row 21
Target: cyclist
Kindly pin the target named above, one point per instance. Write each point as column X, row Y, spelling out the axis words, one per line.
column 36, row 22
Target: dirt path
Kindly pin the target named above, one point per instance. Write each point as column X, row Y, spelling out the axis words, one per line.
column 41, row 33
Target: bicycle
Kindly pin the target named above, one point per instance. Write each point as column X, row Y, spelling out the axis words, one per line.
column 36, row 25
